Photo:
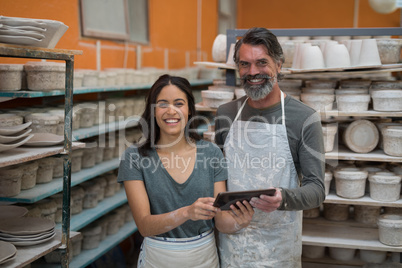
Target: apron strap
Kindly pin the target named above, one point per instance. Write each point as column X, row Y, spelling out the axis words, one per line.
column 282, row 106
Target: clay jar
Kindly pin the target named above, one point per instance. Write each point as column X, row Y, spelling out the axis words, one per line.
column 77, row 197
column 361, row 136
column 10, row 181
column 350, row 182
column 336, row 212
column 45, row 170
column 28, row 179
column 353, row 102
column 390, row 229
column 45, row 76
column 385, row 186
column 392, row 140
column 91, row 236
column 43, row 122
column 11, row 76
column 319, row 102
column 89, row 157
column 311, row 213
column 48, row 208
column 10, row 120
column 91, row 194
column 367, row 214
column 329, row 131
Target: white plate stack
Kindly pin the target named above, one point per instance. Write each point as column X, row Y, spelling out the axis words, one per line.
column 31, row 32
column 26, row 231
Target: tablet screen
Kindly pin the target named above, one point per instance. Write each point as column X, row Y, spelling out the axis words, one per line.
column 225, row 199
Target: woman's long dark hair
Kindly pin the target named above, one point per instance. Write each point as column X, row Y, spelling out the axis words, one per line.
column 149, row 127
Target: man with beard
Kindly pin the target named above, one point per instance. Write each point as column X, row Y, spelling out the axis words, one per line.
column 270, row 140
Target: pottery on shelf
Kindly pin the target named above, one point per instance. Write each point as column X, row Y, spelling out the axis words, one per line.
column 389, row 50
column 342, row 254
column 77, row 198
column 336, row 212
column 43, row 122
column 312, row 58
column 387, row 100
column 10, row 181
column 369, row 54
column 366, row 214
column 91, row 236
column 392, row 140
column 372, row 256
column 214, row 99
column 45, row 76
column 313, row 252
column 10, row 120
column 336, row 56
column 350, row 182
column 11, row 77
column 353, row 102
column 390, row 229
column 321, row 83
column 311, row 213
column 319, row 102
column 327, row 181
column 361, row 136
column 355, row 83
column 385, row 186
column 329, row 132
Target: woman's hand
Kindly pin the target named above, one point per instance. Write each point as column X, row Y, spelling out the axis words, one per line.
column 242, row 214
column 202, row 209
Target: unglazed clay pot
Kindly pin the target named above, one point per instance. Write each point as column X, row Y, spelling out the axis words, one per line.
column 353, row 102
column 329, row 131
column 319, row 102
column 390, row 229
column 313, row 252
column 342, row 254
column 336, row 212
column 327, row 181
column 350, row 183
column 385, row 186
column 367, row 214
column 372, row 256
column 387, row 100
column 392, row 140
column 361, row 136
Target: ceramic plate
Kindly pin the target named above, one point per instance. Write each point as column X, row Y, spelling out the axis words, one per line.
column 7, row 251
column 19, row 40
column 45, row 139
column 25, row 239
column 15, row 21
column 12, row 212
column 9, row 146
column 24, row 28
column 21, row 33
column 16, row 136
column 31, row 243
column 26, row 225
column 7, row 131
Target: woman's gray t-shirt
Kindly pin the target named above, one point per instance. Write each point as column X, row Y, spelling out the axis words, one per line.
column 165, row 194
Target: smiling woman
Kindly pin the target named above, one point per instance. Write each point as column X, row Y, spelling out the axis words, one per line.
column 171, row 181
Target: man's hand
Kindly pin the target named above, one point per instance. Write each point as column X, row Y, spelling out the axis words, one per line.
column 267, row 203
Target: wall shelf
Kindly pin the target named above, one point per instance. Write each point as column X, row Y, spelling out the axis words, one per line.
column 41, row 191
column 87, row 90
column 376, row 155
column 24, row 154
column 344, row 237
column 363, row 201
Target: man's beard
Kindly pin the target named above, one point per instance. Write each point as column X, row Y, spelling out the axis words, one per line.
column 258, row 92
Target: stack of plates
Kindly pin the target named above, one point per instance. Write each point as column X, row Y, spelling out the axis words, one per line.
column 7, row 252
column 25, row 231
column 31, row 32
column 14, row 136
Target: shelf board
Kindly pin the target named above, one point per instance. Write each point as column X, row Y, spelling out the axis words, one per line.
column 366, row 200
column 369, row 113
column 26, row 255
column 96, row 130
column 201, row 108
column 376, row 155
column 344, row 237
column 86, row 257
column 24, row 154
column 41, row 191
column 86, row 90
column 87, row 216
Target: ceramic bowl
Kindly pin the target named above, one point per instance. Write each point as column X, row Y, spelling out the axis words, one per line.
column 219, row 48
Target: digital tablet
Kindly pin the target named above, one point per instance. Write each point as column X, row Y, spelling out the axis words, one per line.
column 225, row 199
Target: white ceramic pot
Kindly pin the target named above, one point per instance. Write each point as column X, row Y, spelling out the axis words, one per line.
column 353, row 102
column 312, row 58
column 387, row 100
column 361, row 136
column 342, row 254
column 350, row 183
column 313, row 252
column 89, row 157
column 390, row 229
column 319, row 102
column 385, row 186
column 392, row 140
column 43, row 122
column 369, row 54
column 329, row 132
column 214, row 99
column 11, row 76
column 45, row 76
column 336, row 56
column 219, row 48
column 101, row 181
column 372, row 256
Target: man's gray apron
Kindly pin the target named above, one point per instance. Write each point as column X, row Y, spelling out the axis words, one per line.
column 259, row 157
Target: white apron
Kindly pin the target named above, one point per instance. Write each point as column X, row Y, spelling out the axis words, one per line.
column 194, row 252
column 259, row 157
